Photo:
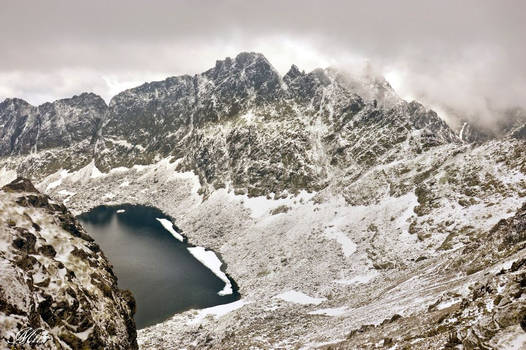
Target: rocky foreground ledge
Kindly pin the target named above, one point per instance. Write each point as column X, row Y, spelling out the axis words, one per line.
column 53, row 277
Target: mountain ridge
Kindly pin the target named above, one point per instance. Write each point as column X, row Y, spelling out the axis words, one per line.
column 320, row 111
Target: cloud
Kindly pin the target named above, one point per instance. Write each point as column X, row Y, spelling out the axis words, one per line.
column 466, row 57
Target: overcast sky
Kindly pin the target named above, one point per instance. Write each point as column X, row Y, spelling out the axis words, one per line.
column 466, row 55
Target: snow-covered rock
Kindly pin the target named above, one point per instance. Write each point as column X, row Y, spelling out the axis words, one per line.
column 54, row 277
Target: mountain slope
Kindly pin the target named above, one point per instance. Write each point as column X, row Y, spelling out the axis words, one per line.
column 317, row 183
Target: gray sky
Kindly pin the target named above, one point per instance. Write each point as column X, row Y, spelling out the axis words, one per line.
column 466, row 55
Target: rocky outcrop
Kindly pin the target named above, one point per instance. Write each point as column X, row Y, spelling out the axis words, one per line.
column 55, row 278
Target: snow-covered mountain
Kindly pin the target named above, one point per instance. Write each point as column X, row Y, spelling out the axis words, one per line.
column 238, row 123
column 335, row 204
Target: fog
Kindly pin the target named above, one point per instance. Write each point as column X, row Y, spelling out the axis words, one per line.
column 464, row 59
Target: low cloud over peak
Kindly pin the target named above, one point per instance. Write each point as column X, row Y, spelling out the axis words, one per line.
column 464, row 59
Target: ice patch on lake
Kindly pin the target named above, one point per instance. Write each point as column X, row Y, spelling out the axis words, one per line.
column 210, row 260
column 293, row 296
column 120, row 211
column 168, row 225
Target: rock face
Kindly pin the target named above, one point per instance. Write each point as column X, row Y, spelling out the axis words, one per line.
column 63, row 123
column 54, row 277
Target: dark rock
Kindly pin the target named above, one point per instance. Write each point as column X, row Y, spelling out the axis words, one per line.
column 47, row 250
column 20, row 185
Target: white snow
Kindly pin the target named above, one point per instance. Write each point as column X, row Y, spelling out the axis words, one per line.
column 218, row 311
column 359, row 279
column 66, row 193
column 84, row 175
column 249, row 117
column 260, row 206
column 119, row 211
column 6, row 176
column 122, row 143
column 56, row 183
column 348, row 246
column 210, row 260
column 95, row 172
column 462, row 131
column 336, row 311
column 168, row 225
column 293, row 296
column 109, row 195
column 448, row 303
column 490, row 305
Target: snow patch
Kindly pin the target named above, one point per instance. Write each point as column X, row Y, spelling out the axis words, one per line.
column 445, row 304
column 360, row 279
column 85, row 174
column 218, row 311
column 109, row 196
column 348, row 246
column 248, row 117
column 260, row 206
column 120, row 211
column 6, row 176
column 63, row 174
column 293, row 296
column 210, row 260
column 336, row 311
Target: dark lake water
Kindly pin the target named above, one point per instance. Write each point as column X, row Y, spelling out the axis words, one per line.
column 159, row 270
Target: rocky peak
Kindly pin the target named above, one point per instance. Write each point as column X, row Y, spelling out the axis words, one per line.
column 436, row 129
column 86, row 99
column 13, row 103
column 61, row 123
column 249, row 73
column 292, row 74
